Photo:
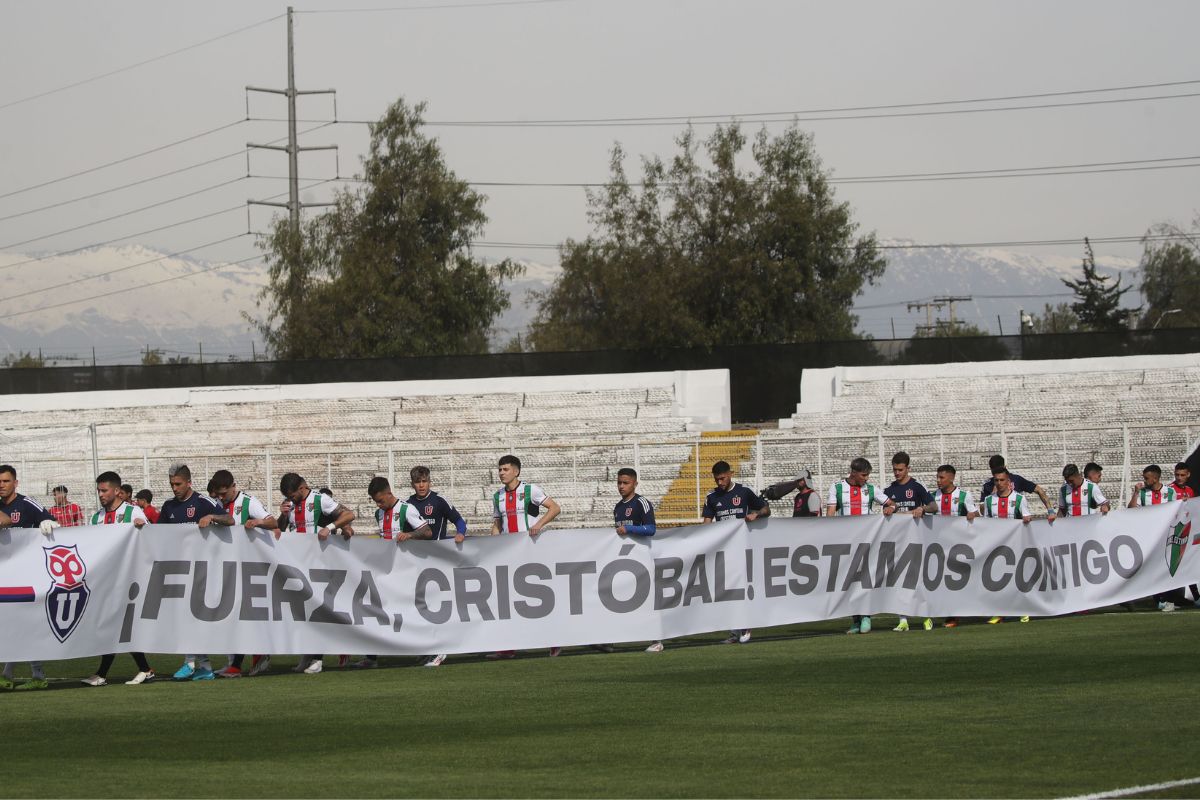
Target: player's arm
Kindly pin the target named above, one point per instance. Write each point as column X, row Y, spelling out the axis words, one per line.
column 460, row 524
column 889, row 506
column 553, row 509
column 216, row 519
column 646, row 527
column 342, row 517
column 1133, row 499
column 420, row 528
column 1101, row 501
column 1045, row 498
column 5, row 520
column 762, row 510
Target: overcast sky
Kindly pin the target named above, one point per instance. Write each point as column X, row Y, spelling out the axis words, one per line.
column 572, row 59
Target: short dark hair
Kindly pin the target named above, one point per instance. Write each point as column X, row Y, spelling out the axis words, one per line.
column 721, row 467
column 420, row 474
column 1155, row 468
column 145, row 494
column 1070, row 470
column 127, row 488
column 110, row 477
column 289, row 482
column 1183, row 465
column 1092, row 466
column 627, row 472
column 325, row 490
column 510, row 459
column 211, row 487
column 860, row 464
column 900, row 458
column 948, row 468
column 1001, row 471
column 222, row 479
column 10, row 469
column 378, row 484
column 996, row 462
column 60, row 488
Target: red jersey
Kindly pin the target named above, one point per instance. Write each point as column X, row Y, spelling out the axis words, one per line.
column 151, row 514
column 67, row 515
column 1185, row 492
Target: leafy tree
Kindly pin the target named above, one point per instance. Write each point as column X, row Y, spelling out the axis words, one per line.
column 1056, row 319
column 706, row 255
column 389, row 270
column 1098, row 305
column 23, row 360
column 1170, row 277
column 152, row 358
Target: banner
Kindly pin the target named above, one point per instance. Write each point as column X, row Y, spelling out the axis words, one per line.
column 181, row 589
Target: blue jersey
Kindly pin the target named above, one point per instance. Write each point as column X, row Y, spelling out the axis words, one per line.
column 636, row 514
column 734, row 504
column 437, row 511
column 25, row 513
column 179, row 512
column 907, row 496
column 1019, row 484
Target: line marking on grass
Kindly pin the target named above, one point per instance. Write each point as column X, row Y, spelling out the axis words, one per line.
column 1132, row 790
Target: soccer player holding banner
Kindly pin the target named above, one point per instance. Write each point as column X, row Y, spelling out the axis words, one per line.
column 856, row 496
column 1007, row 503
column 951, row 501
column 18, row 511
column 731, row 500
column 633, row 515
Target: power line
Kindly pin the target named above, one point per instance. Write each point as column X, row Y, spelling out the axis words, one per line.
column 438, row 7
column 905, row 246
column 126, row 159
column 143, row 63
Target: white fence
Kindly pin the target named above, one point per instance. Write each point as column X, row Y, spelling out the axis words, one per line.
column 581, row 475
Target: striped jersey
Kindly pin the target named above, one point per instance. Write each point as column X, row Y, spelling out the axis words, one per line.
column 310, row 515
column 399, row 518
column 519, row 508
column 1082, row 500
column 244, row 507
column 122, row 513
column 955, row 503
column 1015, row 506
column 1152, row 497
column 851, row 501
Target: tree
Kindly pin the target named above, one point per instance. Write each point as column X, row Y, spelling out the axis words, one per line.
column 1098, row 305
column 711, row 255
column 23, row 360
column 389, row 271
column 1056, row 319
column 151, row 358
column 1170, row 277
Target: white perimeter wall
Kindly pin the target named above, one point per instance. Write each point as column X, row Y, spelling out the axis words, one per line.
column 702, row 395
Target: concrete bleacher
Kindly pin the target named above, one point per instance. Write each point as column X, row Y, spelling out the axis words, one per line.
column 1042, row 414
column 572, row 432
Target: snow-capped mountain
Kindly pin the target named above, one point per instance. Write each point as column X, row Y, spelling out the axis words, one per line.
column 66, row 312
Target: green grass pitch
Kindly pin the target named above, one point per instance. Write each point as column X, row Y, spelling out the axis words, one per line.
column 1056, row 707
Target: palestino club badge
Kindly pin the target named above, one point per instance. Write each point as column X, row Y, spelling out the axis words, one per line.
column 68, row 595
column 1179, row 539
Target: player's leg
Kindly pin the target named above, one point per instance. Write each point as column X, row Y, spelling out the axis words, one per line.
column 100, row 678
column 144, row 673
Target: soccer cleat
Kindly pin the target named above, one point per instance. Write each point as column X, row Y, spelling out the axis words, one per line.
column 500, row 655
column 140, row 678
column 951, row 622
column 259, row 665
column 1166, row 607
column 656, row 647
column 230, row 672
column 184, row 673
column 94, row 680
column 903, row 626
column 1025, row 618
column 995, row 620
column 302, row 664
column 928, row 624
column 604, row 648
column 366, row 663
column 6, row 683
column 343, row 660
column 315, row 667
column 853, row 628
column 744, row 636
column 33, row 683
column 204, row 674
column 865, row 625
column 733, row 638
column 435, row 661
column 555, row 652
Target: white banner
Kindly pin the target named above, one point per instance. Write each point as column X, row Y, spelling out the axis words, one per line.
column 180, row 589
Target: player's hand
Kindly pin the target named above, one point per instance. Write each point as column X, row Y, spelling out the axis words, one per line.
column 205, row 521
column 1105, row 508
column 323, row 534
column 621, row 530
column 285, row 507
column 1027, row 520
column 889, row 510
column 1137, row 487
column 403, row 536
column 277, row 532
column 918, row 512
column 1050, row 517
column 47, row 527
column 753, row 515
column 347, row 532
column 535, row 529
column 138, row 523
column 251, row 524
column 460, row 538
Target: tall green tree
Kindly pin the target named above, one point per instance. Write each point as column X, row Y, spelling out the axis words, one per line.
column 1170, row 277
column 1097, row 304
column 389, row 271
column 1056, row 319
column 711, row 254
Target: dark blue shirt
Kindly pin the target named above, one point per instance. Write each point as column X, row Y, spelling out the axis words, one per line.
column 1022, row 485
column 636, row 514
column 25, row 513
column 907, row 496
column 734, row 504
column 180, row 512
column 437, row 511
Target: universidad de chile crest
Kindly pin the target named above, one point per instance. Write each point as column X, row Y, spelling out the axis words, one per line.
column 68, row 595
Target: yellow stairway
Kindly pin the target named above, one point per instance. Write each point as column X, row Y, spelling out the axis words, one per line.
column 680, row 500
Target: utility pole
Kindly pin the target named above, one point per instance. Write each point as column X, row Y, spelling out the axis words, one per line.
column 929, row 307
column 293, row 149
column 950, row 301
